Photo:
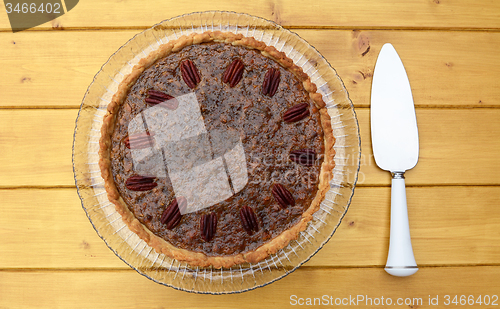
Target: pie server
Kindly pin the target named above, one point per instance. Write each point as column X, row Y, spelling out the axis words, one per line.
column 394, row 136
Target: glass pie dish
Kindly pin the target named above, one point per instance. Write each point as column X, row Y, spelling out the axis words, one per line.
column 138, row 254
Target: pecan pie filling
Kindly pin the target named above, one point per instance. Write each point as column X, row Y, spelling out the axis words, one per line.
column 264, row 108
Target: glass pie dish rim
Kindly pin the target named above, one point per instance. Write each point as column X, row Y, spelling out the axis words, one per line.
column 283, row 270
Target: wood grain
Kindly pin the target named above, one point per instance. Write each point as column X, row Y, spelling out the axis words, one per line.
column 51, row 257
column 53, row 225
column 445, row 68
column 385, row 14
column 449, row 226
column 457, row 147
column 127, row 289
column 37, row 145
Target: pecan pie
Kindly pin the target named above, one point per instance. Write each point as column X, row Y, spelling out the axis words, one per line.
column 216, row 150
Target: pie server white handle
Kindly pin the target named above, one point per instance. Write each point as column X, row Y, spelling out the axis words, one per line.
column 400, row 261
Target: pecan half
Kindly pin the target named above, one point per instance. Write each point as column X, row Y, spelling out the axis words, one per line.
column 282, row 196
column 139, row 140
column 296, row 112
column 190, row 74
column 172, row 215
column 157, row 97
column 140, row 183
column 249, row 220
column 233, row 73
column 208, row 225
column 303, row 156
column 271, row 82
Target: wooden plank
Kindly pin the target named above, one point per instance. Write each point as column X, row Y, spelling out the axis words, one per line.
column 37, row 145
column 322, row 13
column 51, row 69
column 457, row 147
column 446, row 68
column 449, row 226
column 358, row 288
column 53, row 225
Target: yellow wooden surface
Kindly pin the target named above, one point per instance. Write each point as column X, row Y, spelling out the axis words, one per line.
column 51, row 257
column 443, row 71
column 125, row 289
column 38, row 147
column 387, row 14
column 442, row 220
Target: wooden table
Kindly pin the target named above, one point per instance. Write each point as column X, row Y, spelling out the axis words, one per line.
column 51, row 257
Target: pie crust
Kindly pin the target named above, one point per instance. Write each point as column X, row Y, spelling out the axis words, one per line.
column 199, row 258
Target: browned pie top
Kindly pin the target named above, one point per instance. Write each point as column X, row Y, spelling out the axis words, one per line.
column 243, row 110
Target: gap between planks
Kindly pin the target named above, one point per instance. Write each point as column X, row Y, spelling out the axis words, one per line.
column 68, row 187
column 357, row 107
column 303, row 267
column 291, row 27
